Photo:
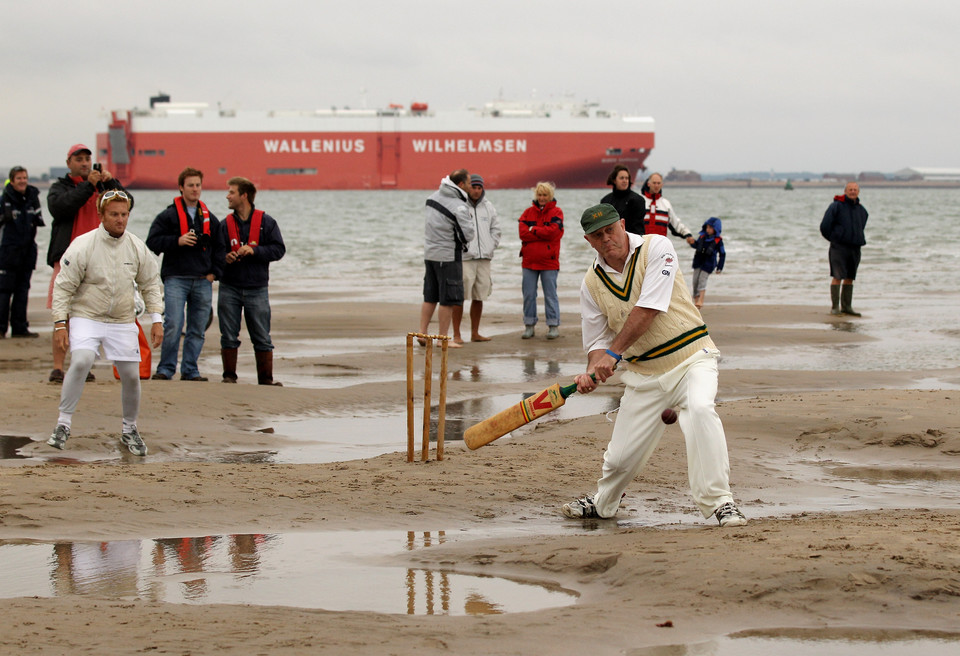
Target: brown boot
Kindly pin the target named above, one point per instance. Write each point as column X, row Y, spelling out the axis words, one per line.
column 265, row 368
column 229, row 357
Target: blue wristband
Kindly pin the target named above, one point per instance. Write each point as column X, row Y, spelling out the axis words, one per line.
column 615, row 356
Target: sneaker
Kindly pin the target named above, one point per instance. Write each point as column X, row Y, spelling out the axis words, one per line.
column 527, row 333
column 134, row 442
column 553, row 332
column 56, row 376
column 198, row 378
column 582, row 508
column 26, row 334
column 91, row 378
column 159, row 376
column 729, row 515
column 60, row 436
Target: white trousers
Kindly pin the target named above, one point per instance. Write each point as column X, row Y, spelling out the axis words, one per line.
column 691, row 390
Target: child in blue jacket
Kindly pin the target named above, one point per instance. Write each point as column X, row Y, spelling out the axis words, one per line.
column 710, row 255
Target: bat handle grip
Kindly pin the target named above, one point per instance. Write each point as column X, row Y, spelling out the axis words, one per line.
column 567, row 390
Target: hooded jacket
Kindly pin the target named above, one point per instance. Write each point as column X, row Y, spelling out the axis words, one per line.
column 844, row 221
column 486, row 224
column 710, row 253
column 541, row 229
column 441, row 234
column 20, row 215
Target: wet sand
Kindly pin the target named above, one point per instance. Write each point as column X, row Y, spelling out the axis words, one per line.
column 851, row 482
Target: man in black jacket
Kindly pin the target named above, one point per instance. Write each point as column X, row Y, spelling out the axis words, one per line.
column 843, row 225
column 251, row 241
column 187, row 234
column 19, row 217
column 72, row 201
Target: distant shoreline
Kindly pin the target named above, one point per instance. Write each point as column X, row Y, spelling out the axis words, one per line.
column 749, row 184
column 798, row 184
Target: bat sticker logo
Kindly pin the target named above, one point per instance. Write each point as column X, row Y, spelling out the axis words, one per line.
column 540, row 404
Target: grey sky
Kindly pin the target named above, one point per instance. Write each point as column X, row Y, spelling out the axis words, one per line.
column 818, row 85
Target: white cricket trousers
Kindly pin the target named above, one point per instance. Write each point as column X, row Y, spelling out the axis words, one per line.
column 691, row 390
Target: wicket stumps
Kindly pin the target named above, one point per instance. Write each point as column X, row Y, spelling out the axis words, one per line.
column 427, row 381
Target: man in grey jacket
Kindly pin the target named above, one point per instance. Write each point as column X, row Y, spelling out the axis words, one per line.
column 447, row 231
column 477, row 282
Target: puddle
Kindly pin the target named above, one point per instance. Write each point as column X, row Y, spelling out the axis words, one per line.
column 334, row 439
column 10, row 445
column 331, row 439
column 337, row 571
column 802, row 642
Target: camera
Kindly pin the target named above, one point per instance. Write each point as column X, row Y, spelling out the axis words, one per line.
column 98, row 167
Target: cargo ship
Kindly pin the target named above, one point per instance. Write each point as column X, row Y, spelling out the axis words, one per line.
column 512, row 144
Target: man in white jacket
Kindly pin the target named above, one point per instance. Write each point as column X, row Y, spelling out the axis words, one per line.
column 477, row 282
column 96, row 290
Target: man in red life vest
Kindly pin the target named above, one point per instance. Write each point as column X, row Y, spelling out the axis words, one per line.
column 187, row 234
column 72, row 201
column 251, row 241
column 659, row 215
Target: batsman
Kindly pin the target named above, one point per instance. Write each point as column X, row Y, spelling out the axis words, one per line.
column 637, row 313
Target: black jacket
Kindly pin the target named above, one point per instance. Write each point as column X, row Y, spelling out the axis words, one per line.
column 252, row 271
column 182, row 261
column 20, row 215
column 844, row 221
column 64, row 200
column 630, row 206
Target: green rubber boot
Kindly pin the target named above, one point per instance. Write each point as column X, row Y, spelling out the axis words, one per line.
column 846, row 300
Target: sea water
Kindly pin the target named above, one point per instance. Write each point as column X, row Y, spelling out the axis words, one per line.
column 367, row 246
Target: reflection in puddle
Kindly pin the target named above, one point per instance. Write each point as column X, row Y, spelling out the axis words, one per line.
column 857, row 642
column 332, row 571
column 331, row 439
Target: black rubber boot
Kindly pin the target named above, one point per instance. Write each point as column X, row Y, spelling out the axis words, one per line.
column 846, row 301
column 835, row 299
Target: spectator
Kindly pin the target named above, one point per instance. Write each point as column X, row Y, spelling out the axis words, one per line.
column 541, row 229
column 187, row 234
column 477, row 281
column 251, row 240
column 20, row 216
column 72, row 201
column 447, row 231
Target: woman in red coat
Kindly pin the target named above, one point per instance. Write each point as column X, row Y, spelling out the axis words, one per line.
column 541, row 228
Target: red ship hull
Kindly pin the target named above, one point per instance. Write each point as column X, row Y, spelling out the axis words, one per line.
column 406, row 159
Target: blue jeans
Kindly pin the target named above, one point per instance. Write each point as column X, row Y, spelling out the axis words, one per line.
column 197, row 295
column 254, row 305
column 551, row 304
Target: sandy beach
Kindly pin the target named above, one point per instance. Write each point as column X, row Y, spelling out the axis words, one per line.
column 851, row 482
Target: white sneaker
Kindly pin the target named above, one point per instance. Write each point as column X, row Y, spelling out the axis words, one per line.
column 60, row 436
column 582, row 508
column 729, row 515
column 134, row 442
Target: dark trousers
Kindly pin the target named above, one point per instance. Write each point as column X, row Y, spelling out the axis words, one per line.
column 13, row 300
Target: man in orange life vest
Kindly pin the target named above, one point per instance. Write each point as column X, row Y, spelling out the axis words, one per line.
column 187, row 234
column 72, row 201
column 251, row 241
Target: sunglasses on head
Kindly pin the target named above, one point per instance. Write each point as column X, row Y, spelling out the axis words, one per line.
column 110, row 195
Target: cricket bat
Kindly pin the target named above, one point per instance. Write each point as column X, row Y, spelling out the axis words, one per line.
column 516, row 416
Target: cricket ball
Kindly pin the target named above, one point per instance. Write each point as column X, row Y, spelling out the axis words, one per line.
column 668, row 416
